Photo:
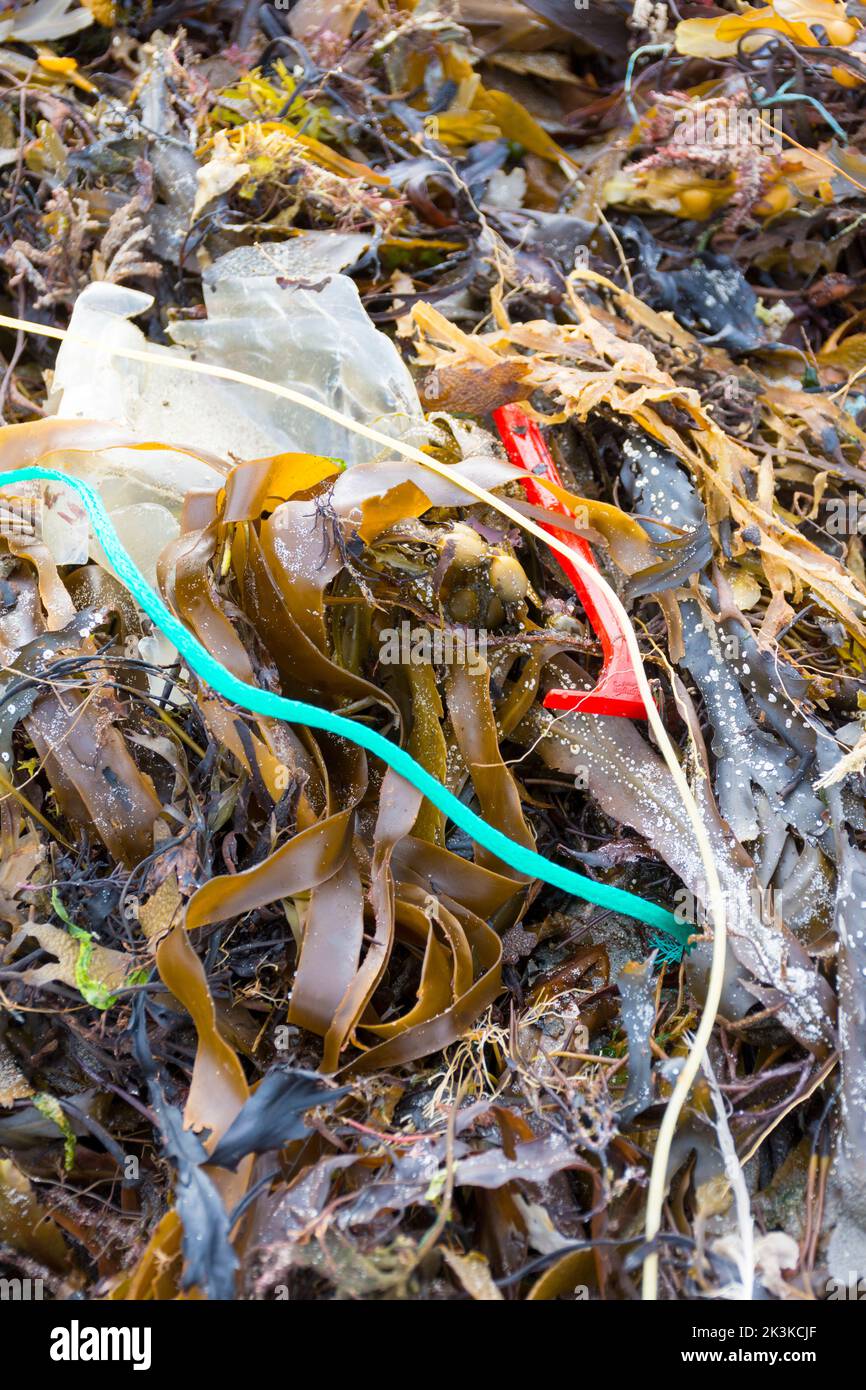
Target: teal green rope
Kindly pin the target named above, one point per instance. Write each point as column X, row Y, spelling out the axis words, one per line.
column 250, row 697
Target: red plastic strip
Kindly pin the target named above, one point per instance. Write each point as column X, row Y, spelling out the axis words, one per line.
column 617, row 690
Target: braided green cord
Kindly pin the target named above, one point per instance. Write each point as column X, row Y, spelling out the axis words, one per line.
column 265, row 702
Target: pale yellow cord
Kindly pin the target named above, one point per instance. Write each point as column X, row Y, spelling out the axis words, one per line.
column 691, row 1066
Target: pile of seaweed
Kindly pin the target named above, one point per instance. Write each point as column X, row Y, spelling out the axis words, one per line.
column 270, row 1025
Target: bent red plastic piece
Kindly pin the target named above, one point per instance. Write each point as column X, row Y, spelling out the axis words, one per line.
column 617, row 690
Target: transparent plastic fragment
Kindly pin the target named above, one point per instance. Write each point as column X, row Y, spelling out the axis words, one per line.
column 280, row 311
